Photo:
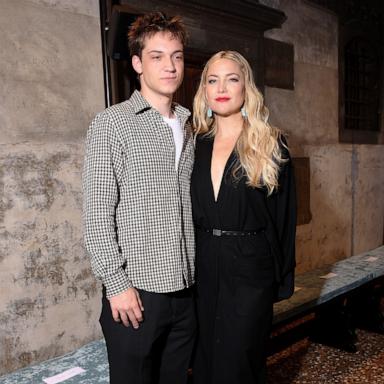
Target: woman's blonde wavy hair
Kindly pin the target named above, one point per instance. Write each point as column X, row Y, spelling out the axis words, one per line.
column 258, row 147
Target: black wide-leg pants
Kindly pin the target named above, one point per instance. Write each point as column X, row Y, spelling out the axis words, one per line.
column 159, row 351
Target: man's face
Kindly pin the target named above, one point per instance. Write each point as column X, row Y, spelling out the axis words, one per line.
column 161, row 67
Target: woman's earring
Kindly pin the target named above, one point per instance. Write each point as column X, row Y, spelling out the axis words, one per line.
column 243, row 112
column 209, row 113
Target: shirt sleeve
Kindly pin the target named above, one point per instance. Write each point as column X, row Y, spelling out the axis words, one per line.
column 103, row 163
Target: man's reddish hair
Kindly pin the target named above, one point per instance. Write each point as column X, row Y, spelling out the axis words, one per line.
column 147, row 25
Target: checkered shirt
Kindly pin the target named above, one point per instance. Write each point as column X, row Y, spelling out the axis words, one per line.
column 137, row 207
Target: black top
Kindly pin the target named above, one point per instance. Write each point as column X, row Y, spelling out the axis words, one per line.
column 231, row 211
column 242, row 208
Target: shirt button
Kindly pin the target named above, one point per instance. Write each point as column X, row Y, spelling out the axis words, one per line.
column 217, row 317
column 217, row 341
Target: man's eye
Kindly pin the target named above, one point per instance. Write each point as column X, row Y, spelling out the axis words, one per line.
column 155, row 57
column 179, row 57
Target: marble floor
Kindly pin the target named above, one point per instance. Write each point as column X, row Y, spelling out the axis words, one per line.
column 308, row 363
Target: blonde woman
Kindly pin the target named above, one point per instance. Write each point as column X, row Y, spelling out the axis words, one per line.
column 243, row 200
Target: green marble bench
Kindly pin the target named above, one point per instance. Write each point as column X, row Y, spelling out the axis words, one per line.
column 334, row 292
column 312, row 289
column 92, row 358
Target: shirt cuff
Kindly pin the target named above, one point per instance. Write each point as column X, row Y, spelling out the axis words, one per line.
column 116, row 283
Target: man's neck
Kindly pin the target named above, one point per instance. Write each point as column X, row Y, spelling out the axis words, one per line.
column 162, row 103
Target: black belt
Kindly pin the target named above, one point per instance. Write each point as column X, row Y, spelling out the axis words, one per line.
column 219, row 232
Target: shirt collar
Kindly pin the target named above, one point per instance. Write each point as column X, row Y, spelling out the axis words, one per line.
column 140, row 104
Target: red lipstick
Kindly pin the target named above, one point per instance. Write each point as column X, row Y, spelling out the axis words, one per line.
column 221, row 99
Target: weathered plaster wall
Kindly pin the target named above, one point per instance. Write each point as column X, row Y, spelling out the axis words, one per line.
column 51, row 77
column 50, row 72
column 347, row 181
column 368, row 194
column 327, row 237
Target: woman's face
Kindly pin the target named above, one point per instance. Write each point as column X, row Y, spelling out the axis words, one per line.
column 224, row 87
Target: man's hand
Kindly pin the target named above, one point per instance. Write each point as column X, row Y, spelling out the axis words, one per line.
column 127, row 307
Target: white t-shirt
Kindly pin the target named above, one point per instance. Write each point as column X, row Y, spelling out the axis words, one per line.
column 178, row 137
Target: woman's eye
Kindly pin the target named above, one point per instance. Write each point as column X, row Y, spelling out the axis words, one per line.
column 234, row 79
column 211, row 81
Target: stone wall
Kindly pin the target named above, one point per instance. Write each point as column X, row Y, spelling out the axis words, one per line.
column 347, row 180
column 52, row 85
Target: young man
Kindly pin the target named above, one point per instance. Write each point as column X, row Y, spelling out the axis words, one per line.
column 137, row 208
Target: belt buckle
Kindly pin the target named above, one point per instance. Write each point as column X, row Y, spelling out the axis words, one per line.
column 216, row 232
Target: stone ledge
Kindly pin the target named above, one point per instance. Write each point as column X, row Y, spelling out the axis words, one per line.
column 312, row 290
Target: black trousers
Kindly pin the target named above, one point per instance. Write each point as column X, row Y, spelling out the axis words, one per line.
column 159, row 351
